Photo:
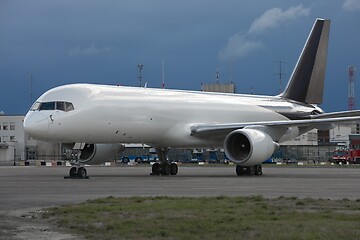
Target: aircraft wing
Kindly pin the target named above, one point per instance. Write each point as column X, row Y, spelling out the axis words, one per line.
column 317, row 121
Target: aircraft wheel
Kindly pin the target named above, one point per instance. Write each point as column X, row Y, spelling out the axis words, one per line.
column 72, row 172
column 81, row 172
column 165, row 169
column 173, row 169
column 258, row 170
column 250, row 170
column 156, row 169
column 240, row 170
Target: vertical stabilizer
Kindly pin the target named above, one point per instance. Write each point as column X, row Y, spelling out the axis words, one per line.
column 306, row 83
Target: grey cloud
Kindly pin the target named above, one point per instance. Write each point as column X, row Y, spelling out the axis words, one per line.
column 91, row 50
column 274, row 17
column 240, row 45
column 351, row 5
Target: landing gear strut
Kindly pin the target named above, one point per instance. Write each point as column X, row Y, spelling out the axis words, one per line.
column 77, row 171
column 164, row 167
column 249, row 171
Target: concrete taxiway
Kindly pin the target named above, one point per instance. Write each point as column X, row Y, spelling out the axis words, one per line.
column 25, row 190
column 37, row 187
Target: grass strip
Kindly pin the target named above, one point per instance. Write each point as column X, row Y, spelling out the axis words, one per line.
column 210, row 218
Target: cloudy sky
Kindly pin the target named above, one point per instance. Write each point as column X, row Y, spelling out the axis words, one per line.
column 72, row 41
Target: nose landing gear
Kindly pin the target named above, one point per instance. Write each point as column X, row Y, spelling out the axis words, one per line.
column 80, row 173
column 76, row 171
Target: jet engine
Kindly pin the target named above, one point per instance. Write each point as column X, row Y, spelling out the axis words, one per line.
column 97, row 153
column 249, row 147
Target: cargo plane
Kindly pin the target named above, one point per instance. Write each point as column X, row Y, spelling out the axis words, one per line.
column 100, row 119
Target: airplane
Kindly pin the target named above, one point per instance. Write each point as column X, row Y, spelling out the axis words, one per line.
column 100, row 119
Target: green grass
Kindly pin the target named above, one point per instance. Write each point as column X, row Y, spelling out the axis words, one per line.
column 210, row 218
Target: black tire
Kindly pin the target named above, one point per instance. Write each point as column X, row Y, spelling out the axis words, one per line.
column 156, row 169
column 250, row 170
column 81, row 172
column 125, row 160
column 240, row 171
column 165, row 169
column 173, row 169
column 258, row 170
column 72, row 172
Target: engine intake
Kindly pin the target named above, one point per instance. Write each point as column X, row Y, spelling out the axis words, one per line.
column 93, row 153
column 248, row 147
column 100, row 153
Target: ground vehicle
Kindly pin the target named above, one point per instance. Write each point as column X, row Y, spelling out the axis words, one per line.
column 197, row 155
column 139, row 153
column 346, row 156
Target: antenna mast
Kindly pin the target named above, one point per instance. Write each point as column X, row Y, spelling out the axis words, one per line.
column 31, row 92
column 217, row 76
column 280, row 73
column 140, row 66
column 163, row 74
column 351, row 101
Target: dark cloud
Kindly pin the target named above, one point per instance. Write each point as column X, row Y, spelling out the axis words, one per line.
column 66, row 41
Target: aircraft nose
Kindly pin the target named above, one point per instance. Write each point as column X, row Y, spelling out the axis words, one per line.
column 36, row 124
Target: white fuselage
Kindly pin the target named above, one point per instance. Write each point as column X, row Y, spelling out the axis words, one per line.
column 158, row 117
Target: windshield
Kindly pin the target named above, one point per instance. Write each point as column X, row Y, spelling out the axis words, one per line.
column 59, row 105
column 340, row 153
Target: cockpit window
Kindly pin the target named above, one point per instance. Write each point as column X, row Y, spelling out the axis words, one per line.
column 62, row 106
column 47, row 106
column 35, row 106
column 68, row 106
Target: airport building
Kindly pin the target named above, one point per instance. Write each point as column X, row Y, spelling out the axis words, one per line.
column 12, row 137
column 15, row 145
column 219, row 87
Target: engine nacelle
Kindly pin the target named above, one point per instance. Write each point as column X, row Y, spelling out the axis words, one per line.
column 100, row 153
column 248, row 147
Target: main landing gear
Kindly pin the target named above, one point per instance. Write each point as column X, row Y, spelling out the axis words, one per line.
column 249, row 171
column 164, row 167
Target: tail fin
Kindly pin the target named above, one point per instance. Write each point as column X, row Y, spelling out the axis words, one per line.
column 306, row 83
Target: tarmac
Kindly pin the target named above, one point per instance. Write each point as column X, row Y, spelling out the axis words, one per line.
column 25, row 189
column 31, row 186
